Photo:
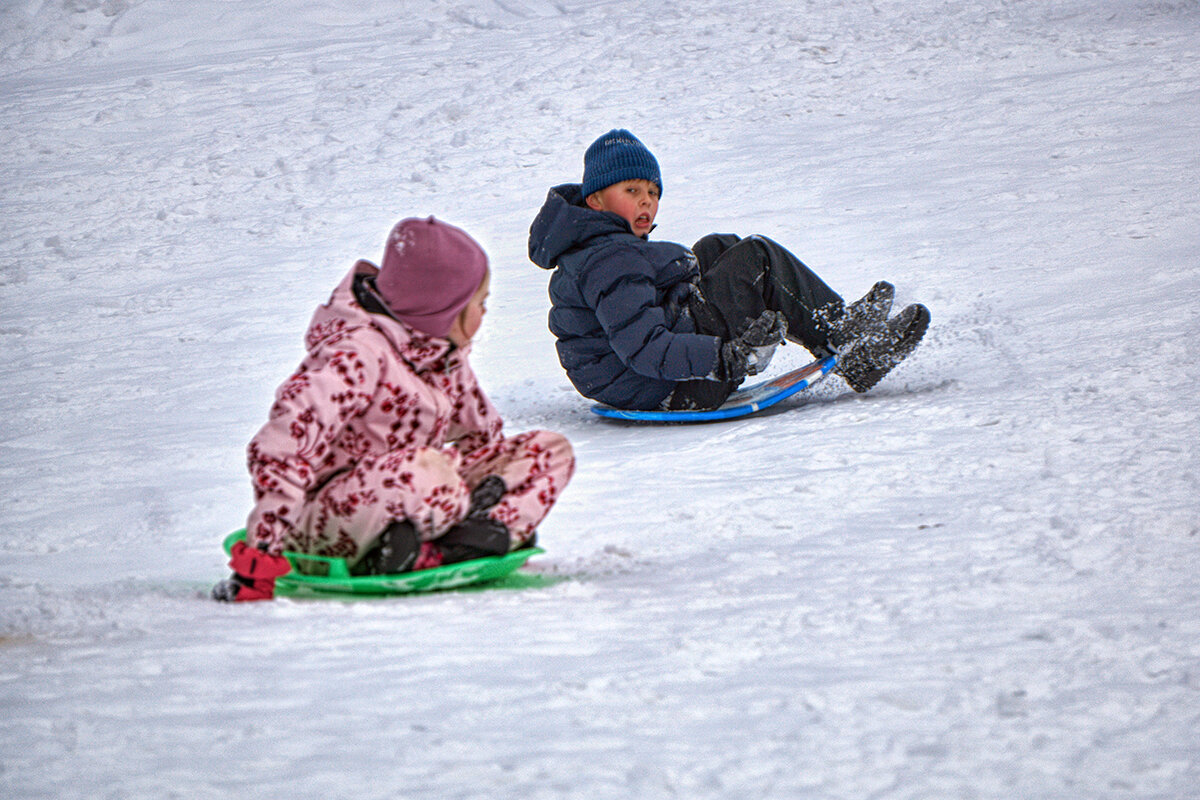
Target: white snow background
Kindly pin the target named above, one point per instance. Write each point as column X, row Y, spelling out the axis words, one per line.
column 978, row 581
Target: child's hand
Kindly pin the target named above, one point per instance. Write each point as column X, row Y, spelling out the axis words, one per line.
column 762, row 337
column 485, row 495
column 749, row 353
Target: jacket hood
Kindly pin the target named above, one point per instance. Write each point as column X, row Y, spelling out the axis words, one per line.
column 565, row 222
column 346, row 312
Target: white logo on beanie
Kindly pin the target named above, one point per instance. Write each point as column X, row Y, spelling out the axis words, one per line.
column 618, row 156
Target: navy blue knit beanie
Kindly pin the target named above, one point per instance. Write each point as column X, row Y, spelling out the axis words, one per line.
column 618, row 156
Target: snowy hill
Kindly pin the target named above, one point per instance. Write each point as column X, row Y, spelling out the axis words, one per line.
column 977, row 581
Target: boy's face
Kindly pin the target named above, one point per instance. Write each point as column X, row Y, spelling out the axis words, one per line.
column 635, row 201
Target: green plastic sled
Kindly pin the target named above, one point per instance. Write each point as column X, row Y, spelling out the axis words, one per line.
column 321, row 575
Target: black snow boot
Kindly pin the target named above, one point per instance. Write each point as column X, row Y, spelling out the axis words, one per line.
column 474, row 537
column 477, row 536
column 395, row 552
column 842, row 325
column 875, row 305
column 864, row 362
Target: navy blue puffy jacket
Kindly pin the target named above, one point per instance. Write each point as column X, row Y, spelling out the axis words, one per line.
column 617, row 304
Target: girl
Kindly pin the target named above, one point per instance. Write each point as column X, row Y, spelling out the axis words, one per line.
column 382, row 448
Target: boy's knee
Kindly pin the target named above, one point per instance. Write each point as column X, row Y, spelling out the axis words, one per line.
column 759, row 242
column 712, row 247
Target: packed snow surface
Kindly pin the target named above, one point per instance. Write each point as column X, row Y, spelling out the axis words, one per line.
column 980, row 580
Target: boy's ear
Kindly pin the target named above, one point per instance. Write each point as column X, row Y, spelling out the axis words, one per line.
column 594, row 202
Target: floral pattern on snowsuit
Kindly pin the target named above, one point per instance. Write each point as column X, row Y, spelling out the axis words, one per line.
column 381, row 422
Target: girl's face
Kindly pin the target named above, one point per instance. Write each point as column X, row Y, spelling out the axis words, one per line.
column 635, row 201
column 467, row 323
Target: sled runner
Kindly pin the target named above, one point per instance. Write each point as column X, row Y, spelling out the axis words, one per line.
column 741, row 403
column 313, row 576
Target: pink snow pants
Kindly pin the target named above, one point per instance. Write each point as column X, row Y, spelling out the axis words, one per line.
column 431, row 487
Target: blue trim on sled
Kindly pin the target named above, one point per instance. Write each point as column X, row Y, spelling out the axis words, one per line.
column 741, row 403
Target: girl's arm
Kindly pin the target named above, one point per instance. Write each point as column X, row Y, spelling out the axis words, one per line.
column 311, row 409
column 475, row 422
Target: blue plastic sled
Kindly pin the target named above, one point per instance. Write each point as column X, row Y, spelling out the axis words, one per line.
column 741, row 403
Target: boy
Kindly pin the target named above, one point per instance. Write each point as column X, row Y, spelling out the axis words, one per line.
column 650, row 325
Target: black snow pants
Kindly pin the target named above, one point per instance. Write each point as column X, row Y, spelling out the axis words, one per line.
column 740, row 279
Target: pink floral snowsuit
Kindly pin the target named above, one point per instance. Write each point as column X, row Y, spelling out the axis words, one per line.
column 382, row 422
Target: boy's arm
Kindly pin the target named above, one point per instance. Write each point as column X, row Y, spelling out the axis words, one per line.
column 621, row 290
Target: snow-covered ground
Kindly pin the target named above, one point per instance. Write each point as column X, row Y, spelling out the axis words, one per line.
column 981, row 580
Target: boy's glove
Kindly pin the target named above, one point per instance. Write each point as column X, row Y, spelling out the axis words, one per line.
column 254, row 574
column 749, row 353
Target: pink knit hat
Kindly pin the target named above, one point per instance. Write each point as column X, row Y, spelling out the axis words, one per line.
column 430, row 272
